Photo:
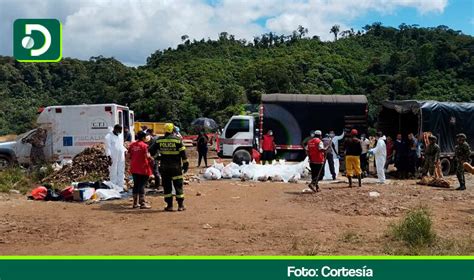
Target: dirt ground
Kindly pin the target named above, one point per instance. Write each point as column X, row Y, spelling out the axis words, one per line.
column 234, row 218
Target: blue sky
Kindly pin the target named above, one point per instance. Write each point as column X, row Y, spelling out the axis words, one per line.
column 131, row 30
column 458, row 15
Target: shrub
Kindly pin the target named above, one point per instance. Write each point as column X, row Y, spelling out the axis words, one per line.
column 415, row 229
column 14, row 178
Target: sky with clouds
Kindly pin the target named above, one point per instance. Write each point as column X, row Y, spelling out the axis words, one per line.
column 130, row 30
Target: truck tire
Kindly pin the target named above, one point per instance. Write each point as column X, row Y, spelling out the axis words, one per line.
column 5, row 162
column 241, row 156
column 445, row 166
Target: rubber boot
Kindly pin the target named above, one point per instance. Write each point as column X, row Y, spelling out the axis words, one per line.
column 157, row 183
column 350, row 181
column 359, row 178
column 462, row 180
column 135, row 201
column 143, row 204
column 169, row 202
column 180, row 204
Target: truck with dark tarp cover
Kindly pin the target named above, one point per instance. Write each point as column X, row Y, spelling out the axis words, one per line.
column 291, row 117
column 442, row 119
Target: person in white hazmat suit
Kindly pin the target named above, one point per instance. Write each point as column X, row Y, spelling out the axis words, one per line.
column 115, row 149
column 380, row 154
column 335, row 140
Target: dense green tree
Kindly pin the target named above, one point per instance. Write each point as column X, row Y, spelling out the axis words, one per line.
column 215, row 78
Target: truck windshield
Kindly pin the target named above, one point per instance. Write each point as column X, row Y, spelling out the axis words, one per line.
column 236, row 126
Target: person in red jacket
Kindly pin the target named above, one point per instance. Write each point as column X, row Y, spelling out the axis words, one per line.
column 268, row 147
column 141, row 169
column 316, row 154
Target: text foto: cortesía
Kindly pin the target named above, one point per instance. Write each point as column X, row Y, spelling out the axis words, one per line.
column 327, row 272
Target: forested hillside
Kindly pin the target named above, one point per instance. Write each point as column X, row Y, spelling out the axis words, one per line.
column 214, row 78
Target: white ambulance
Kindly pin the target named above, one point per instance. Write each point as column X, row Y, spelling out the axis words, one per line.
column 70, row 129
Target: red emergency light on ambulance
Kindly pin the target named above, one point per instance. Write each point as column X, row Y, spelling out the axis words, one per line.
column 70, row 129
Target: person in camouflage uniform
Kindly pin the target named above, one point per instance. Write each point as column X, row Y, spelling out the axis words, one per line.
column 37, row 140
column 462, row 154
column 432, row 153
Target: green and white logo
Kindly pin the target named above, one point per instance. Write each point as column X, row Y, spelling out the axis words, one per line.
column 37, row 40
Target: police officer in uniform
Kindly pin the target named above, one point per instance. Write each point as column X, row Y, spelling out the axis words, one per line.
column 170, row 152
column 462, row 154
column 432, row 154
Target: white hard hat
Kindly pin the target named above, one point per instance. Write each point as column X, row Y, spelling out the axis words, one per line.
column 318, row 133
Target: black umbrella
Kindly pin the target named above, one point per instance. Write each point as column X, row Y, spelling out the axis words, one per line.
column 205, row 123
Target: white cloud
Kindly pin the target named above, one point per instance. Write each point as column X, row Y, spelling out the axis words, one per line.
column 319, row 15
column 131, row 30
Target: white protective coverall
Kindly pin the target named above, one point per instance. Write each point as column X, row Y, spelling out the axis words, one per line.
column 327, row 172
column 380, row 154
column 116, row 150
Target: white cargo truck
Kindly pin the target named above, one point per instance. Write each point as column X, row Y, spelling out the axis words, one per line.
column 70, row 129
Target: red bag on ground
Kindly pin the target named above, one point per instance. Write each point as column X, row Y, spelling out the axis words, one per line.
column 67, row 193
column 39, row 193
column 256, row 155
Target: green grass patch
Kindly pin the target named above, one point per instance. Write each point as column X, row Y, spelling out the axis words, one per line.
column 414, row 235
column 415, row 229
column 15, row 178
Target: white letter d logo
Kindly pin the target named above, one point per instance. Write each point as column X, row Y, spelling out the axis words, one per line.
column 47, row 38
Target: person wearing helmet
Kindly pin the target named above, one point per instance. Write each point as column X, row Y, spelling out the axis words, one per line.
column 171, row 155
column 353, row 151
column 176, row 132
column 462, row 154
column 432, row 156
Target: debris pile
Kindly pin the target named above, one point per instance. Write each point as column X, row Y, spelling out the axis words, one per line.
column 191, row 178
column 90, row 162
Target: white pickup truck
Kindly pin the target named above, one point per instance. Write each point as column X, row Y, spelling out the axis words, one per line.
column 70, row 129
